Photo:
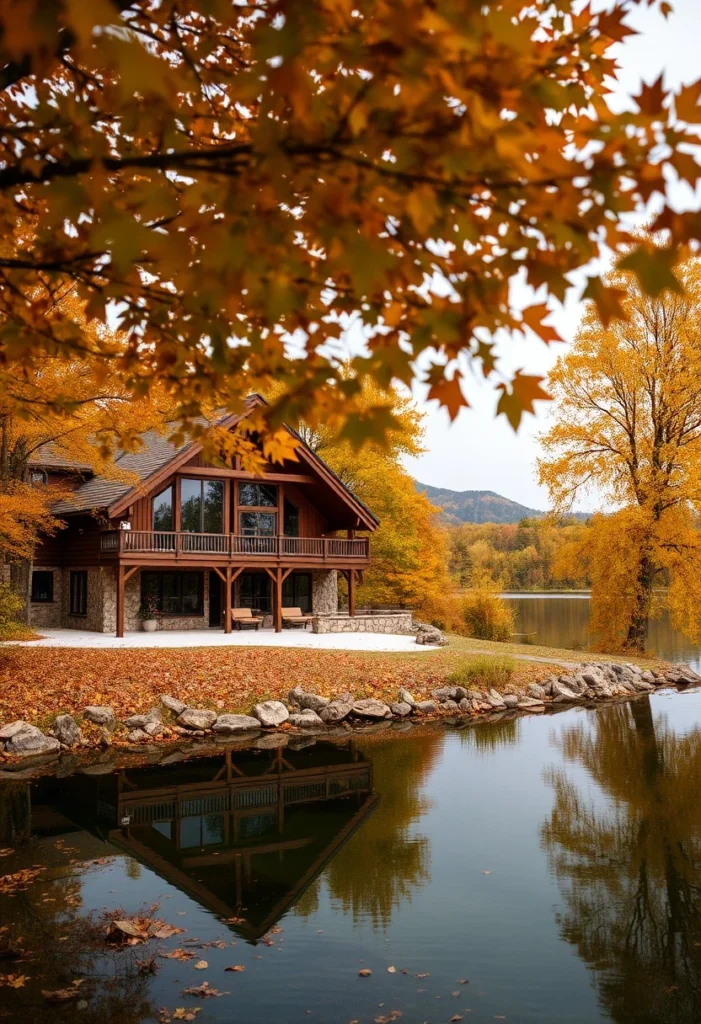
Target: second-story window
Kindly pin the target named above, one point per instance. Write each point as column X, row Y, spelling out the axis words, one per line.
column 201, row 506
column 255, row 495
column 163, row 510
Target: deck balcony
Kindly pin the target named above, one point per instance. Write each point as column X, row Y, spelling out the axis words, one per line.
column 151, row 546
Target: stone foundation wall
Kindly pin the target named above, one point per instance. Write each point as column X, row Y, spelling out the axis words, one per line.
column 132, row 602
column 100, row 582
column 324, row 592
column 397, row 622
column 49, row 615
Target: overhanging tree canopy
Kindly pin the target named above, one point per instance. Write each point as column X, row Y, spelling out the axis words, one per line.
column 218, row 170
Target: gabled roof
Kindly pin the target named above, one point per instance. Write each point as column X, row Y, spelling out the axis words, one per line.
column 157, row 457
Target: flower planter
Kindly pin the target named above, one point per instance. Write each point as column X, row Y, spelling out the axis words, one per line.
column 149, row 625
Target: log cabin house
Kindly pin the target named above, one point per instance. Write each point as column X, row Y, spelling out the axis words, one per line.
column 195, row 540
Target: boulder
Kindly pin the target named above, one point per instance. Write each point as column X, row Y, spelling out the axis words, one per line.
column 13, row 728
column 643, row 685
column 465, row 705
column 138, row 736
column 197, row 718
column 511, row 700
column 271, row 713
column 30, row 741
column 66, row 731
column 426, row 707
column 450, row 706
column 336, row 711
column 444, row 693
column 141, row 721
column 100, row 716
column 172, row 704
column 401, row 709
column 560, row 690
column 431, row 636
column 404, row 697
column 303, row 699
column 370, row 707
column 530, row 703
column 495, row 699
column 236, row 723
column 535, row 691
column 154, row 728
column 473, row 694
column 306, row 719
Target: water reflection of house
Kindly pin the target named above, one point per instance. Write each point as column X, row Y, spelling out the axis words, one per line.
column 243, row 832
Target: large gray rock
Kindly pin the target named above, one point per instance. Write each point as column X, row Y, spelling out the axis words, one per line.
column 401, row 709
column 12, row 728
column 100, row 716
column 559, row 690
column 303, row 699
column 511, row 700
column 306, row 719
column 445, row 693
column 535, row 691
column 153, row 728
column 431, row 636
column 66, row 731
column 137, row 736
column 370, row 707
column 426, row 707
column 141, row 721
column 465, row 705
column 172, row 704
column 228, row 724
column 495, row 699
column 531, row 703
column 30, row 741
column 643, row 685
column 336, row 711
column 451, row 706
column 197, row 718
column 404, row 697
column 271, row 713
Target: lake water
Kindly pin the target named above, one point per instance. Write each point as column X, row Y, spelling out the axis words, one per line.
column 542, row 870
column 562, row 620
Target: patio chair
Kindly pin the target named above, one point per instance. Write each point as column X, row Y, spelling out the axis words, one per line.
column 293, row 617
column 243, row 617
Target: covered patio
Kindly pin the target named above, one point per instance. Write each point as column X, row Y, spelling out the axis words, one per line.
column 174, row 638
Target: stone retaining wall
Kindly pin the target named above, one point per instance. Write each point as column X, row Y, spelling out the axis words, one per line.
column 397, row 622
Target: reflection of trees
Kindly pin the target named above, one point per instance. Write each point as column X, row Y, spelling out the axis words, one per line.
column 630, row 870
column 371, row 875
column 487, row 737
column 45, row 919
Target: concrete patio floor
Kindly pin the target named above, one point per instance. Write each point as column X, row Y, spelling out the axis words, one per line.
column 175, row 638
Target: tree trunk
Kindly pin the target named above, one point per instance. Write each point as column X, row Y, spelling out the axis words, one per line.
column 636, row 640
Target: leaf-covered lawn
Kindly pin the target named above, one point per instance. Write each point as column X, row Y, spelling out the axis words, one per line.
column 36, row 684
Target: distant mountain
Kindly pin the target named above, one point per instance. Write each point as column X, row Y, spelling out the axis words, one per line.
column 480, row 506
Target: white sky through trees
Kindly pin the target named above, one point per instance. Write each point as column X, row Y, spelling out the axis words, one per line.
column 479, row 452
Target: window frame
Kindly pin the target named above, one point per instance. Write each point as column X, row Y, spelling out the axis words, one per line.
column 78, row 593
column 38, row 477
column 159, row 592
column 203, row 481
column 257, row 512
column 34, row 599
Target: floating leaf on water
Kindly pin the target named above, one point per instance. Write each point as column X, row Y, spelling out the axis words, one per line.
column 14, row 980
column 203, row 991
column 455, row 1018
column 183, row 1013
column 201, row 965
column 391, row 970
column 364, row 972
column 235, row 967
column 487, row 872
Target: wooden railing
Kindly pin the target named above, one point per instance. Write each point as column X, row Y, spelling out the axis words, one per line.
column 230, row 545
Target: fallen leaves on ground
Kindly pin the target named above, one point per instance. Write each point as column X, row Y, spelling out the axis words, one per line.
column 14, row 980
column 18, row 881
column 203, row 991
column 36, row 684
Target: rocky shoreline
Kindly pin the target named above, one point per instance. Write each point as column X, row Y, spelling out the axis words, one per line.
column 274, row 722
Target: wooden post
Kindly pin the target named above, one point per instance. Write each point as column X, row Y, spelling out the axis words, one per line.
column 278, row 601
column 351, row 592
column 227, row 600
column 120, row 600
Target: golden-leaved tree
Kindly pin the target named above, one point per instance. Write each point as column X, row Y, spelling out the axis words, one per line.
column 628, row 423
column 231, row 176
column 409, row 551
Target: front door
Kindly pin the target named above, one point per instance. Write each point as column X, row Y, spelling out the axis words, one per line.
column 255, row 591
column 215, row 599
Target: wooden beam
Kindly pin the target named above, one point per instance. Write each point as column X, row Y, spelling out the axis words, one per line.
column 351, row 591
column 278, row 601
column 128, row 573
column 219, row 573
column 228, row 584
column 286, row 573
column 209, row 473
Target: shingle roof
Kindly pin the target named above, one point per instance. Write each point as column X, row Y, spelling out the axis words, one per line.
column 100, row 492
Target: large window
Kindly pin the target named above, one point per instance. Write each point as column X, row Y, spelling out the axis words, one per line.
column 201, row 506
column 291, row 519
column 257, row 524
column 78, row 592
column 42, row 586
column 175, row 593
column 297, row 592
column 163, row 510
column 254, row 591
column 258, row 495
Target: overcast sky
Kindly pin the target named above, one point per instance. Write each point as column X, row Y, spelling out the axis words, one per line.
column 479, row 452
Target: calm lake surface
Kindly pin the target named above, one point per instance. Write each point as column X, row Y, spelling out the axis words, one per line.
column 562, row 620
column 543, row 870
